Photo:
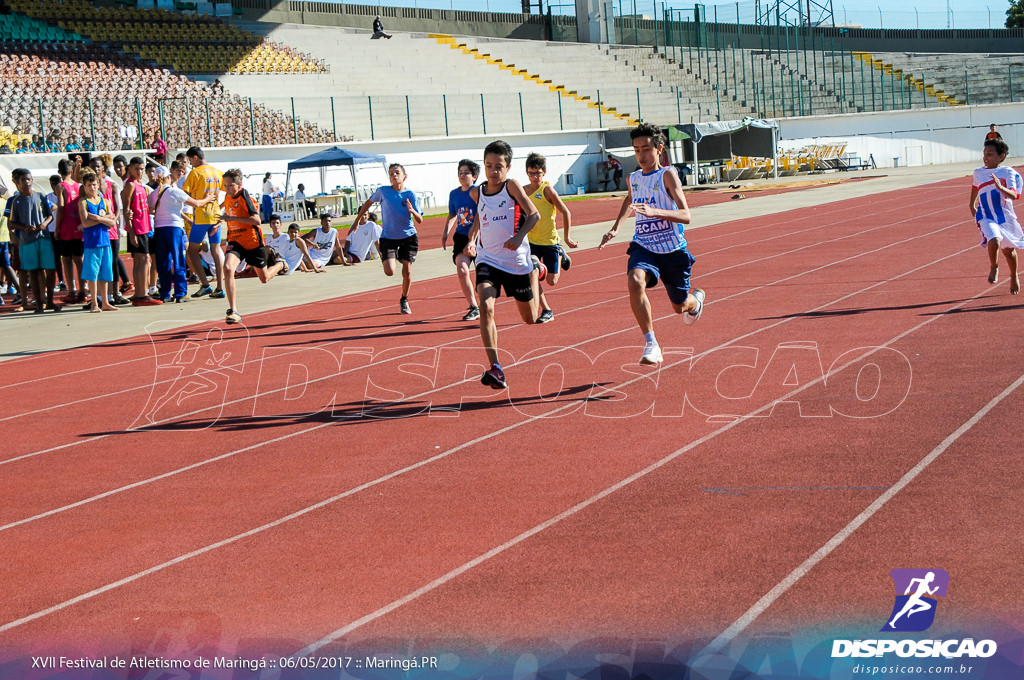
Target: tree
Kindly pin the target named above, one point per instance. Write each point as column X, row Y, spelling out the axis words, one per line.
column 1015, row 15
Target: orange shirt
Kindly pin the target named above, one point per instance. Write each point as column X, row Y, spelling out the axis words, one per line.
column 248, row 236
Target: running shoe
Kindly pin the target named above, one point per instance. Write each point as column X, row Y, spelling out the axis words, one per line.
column 542, row 271
column 566, row 260
column 127, row 289
column 473, row 314
column 691, row 317
column 652, row 354
column 403, row 306
column 232, row 317
column 545, row 316
column 494, row 377
column 145, row 302
column 205, row 290
column 119, row 300
column 219, row 294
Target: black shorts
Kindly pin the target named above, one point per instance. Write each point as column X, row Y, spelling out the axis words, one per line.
column 72, row 248
column 516, row 285
column 254, row 257
column 459, row 242
column 143, row 245
column 551, row 256
column 402, row 249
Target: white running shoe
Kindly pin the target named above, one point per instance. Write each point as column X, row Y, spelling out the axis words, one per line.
column 652, row 354
column 691, row 317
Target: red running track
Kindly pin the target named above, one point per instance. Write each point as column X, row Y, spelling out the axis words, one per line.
column 337, row 473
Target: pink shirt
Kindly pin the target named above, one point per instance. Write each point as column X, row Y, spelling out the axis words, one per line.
column 140, row 209
column 108, row 194
column 67, row 230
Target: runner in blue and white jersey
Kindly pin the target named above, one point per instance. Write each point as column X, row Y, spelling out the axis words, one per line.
column 658, row 249
column 993, row 192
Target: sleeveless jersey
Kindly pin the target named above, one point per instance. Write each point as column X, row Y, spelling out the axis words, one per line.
column 544, row 233
column 97, row 235
column 248, row 236
column 108, row 196
column 67, row 230
column 652, row 233
column 499, row 217
column 140, row 209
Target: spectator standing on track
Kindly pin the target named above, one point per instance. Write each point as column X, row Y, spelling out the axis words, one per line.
column 68, row 246
column 166, row 204
column 401, row 212
column 544, row 237
column 992, row 133
column 497, row 240
column 993, row 192
column 30, row 216
column 203, row 181
column 136, row 217
column 113, row 198
column 245, row 241
column 96, row 219
column 461, row 213
column 658, row 249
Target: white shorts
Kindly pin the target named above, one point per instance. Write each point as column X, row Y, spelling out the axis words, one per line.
column 1009, row 234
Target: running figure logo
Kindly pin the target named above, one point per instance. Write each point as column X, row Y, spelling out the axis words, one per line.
column 914, row 609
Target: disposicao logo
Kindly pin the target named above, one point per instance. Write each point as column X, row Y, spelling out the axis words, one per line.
column 915, row 605
column 914, row 611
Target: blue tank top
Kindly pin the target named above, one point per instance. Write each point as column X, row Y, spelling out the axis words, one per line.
column 97, row 236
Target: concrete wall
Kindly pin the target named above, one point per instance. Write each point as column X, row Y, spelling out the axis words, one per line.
column 918, row 137
column 628, row 30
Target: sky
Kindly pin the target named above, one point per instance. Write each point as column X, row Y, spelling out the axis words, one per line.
column 869, row 14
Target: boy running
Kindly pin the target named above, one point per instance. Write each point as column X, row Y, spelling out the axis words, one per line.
column 401, row 211
column 498, row 242
column 544, row 237
column 658, row 249
column 245, row 240
column 993, row 192
column 461, row 213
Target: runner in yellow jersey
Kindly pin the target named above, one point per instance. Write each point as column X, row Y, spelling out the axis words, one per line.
column 543, row 238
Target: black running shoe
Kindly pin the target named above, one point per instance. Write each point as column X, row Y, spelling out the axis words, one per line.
column 494, row 377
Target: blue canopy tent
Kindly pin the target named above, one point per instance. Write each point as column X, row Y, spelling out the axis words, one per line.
column 331, row 157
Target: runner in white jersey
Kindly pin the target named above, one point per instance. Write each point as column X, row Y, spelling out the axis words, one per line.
column 992, row 194
column 504, row 215
column 658, row 250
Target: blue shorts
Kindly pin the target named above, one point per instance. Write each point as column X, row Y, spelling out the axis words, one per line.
column 37, row 255
column 98, row 264
column 5, row 254
column 200, row 232
column 551, row 256
column 672, row 268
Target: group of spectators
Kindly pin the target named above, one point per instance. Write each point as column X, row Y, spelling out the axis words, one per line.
column 56, row 142
column 172, row 217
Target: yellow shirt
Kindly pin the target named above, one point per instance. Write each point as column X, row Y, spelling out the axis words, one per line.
column 199, row 184
column 544, row 232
